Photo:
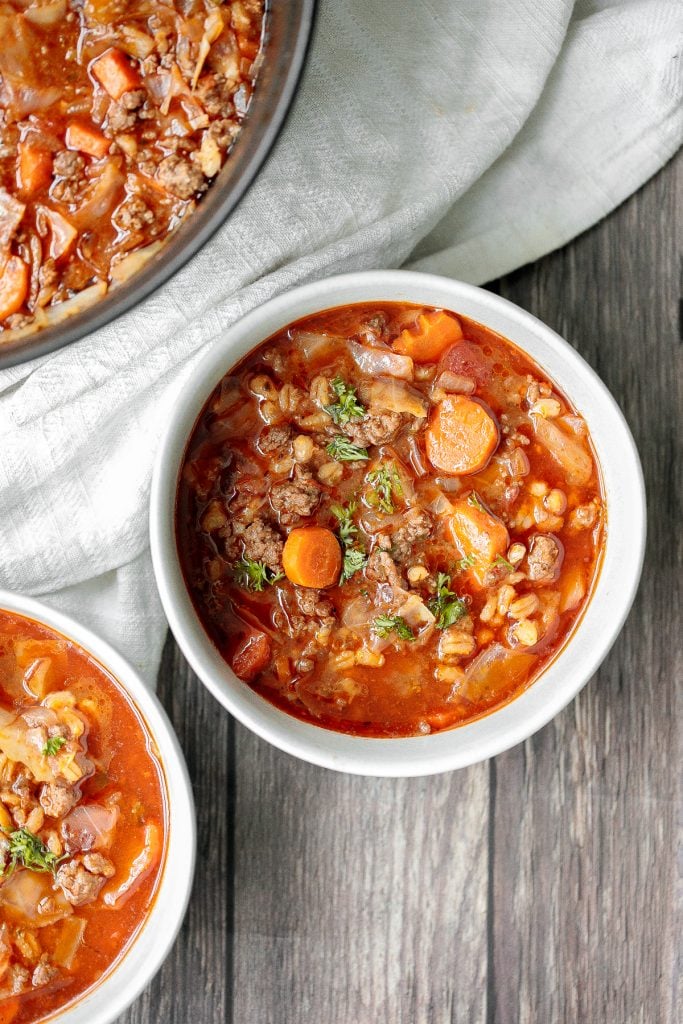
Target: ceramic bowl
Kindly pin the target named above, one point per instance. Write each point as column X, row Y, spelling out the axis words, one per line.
column 592, row 637
column 106, row 1001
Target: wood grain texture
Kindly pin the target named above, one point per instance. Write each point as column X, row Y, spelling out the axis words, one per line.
column 538, row 887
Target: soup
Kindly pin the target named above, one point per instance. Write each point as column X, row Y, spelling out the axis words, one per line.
column 115, row 117
column 389, row 519
column 82, row 821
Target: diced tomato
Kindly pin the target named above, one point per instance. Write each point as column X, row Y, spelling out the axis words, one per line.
column 251, row 656
column 467, row 360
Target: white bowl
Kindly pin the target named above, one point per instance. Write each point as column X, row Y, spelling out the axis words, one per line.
column 106, row 1001
column 592, row 637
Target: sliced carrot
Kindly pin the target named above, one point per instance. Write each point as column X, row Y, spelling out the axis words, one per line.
column 461, row 436
column 479, row 535
column 251, row 655
column 312, row 557
column 86, row 139
column 431, row 336
column 34, row 167
column 14, row 280
column 115, row 73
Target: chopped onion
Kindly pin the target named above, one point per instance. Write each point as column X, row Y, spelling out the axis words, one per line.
column 450, row 484
column 76, row 304
column 379, row 362
column 132, row 262
column 62, row 232
column 416, row 613
column 213, row 26
column 415, row 455
column 46, row 14
column 208, row 156
column 395, row 396
column 101, row 196
column 454, row 382
column 135, row 42
column 440, row 505
column 357, row 613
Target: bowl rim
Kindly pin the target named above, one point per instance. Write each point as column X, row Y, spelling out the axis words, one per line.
column 617, row 582
column 123, row 983
column 235, row 178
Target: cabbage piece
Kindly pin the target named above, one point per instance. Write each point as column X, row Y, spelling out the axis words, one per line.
column 381, row 362
column 21, row 742
column 11, row 215
column 127, row 265
column 23, row 891
column 89, row 827
column 494, row 673
column 70, row 937
column 396, row 396
column 146, row 861
column 567, row 450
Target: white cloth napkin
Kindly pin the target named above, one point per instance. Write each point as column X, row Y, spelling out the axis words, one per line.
column 459, row 137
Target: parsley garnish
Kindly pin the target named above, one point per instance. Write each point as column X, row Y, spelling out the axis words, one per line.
column 386, row 624
column 446, row 606
column 26, row 850
column 354, row 556
column 53, row 746
column 475, row 501
column 254, row 575
column 344, row 450
column 347, row 407
column 386, row 484
column 503, row 562
column 465, row 563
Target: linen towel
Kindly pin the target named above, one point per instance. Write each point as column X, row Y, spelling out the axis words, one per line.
column 459, row 137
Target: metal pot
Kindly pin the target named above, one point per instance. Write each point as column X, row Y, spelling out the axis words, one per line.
column 288, row 29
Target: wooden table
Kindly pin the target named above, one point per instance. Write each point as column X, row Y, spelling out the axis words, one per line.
column 537, row 888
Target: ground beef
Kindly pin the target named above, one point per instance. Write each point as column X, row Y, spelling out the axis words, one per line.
column 214, row 93
column 47, row 282
column 43, row 973
column 68, row 168
column 11, row 215
column 133, row 99
column 119, row 119
column 77, row 883
column 17, row 979
column 297, row 498
column 275, row 439
column 376, row 429
column 312, row 603
column 417, row 527
column 224, row 131
column 262, row 543
column 544, row 559
column 98, row 864
column 57, row 799
column 180, row 176
column 133, row 215
column 381, row 568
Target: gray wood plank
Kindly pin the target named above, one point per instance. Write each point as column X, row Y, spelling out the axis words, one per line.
column 358, row 901
column 585, row 812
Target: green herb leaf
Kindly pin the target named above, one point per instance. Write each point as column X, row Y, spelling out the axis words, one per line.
column 354, row 556
column 386, row 485
column 503, row 562
column 26, row 850
column 354, row 560
column 343, row 450
column 475, row 501
column 446, row 606
column 465, row 563
column 386, row 624
column 347, row 407
column 255, row 575
column 53, row 746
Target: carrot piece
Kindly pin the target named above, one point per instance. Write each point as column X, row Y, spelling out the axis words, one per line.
column 87, row 139
column 115, row 73
column 34, row 167
column 14, row 280
column 479, row 535
column 312, row 557
column 251, row 655
column 461, row 436
column 426, row 342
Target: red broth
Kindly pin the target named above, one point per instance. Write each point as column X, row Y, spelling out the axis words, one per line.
column 389, row 519
column 83, row 809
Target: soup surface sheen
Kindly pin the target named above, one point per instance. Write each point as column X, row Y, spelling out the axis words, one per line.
column 389, row 519
column 82, row 816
